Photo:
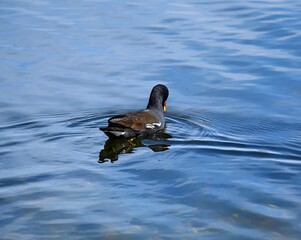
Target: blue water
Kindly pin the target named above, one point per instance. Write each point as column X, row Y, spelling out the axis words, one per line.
column 228, row 165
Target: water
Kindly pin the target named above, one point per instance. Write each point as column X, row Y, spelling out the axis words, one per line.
column 228, row 165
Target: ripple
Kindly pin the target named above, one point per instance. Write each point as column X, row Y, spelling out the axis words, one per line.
column 186, row 127
column 88, row 120
column 24, row 125
column 191, row 132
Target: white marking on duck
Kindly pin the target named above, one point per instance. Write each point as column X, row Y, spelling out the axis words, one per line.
column 117, row 133
column 152, row 125
column 157, row 124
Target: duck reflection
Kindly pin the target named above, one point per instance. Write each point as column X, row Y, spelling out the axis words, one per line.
column 114, row 146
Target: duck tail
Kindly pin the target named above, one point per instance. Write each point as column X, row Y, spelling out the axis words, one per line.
column 116, row 132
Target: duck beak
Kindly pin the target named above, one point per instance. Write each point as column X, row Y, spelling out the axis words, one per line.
column 164, row 107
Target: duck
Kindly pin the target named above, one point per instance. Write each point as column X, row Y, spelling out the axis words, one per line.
column 141, row 123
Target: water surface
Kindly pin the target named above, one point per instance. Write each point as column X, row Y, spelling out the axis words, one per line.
column 228, row 165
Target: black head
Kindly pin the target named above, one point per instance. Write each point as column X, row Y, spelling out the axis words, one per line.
column 158, row 97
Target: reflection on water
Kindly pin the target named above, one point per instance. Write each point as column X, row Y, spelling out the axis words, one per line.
column 113, row 146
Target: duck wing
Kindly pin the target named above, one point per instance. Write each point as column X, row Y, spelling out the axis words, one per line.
column 137, row 121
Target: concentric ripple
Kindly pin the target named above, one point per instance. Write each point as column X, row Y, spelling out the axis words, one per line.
column 192, row 132
column 185, row 127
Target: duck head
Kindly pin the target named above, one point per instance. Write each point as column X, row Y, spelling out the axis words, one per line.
column 158, row 97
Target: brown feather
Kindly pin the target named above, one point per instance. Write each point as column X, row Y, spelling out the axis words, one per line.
column 136, row 120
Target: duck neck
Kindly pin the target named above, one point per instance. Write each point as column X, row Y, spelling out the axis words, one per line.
column 155, row 102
